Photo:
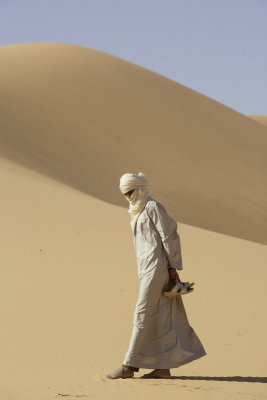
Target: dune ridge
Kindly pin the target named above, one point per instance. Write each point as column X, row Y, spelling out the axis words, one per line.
column 262, row 119
column 85, row 117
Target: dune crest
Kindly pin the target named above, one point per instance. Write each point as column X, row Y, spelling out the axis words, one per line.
column 84, row 117
column 262, row 119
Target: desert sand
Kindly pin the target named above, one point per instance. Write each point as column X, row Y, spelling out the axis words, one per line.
column 262, row 119
column 73, row 120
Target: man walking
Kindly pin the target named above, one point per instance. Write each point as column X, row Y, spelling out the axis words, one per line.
column 162, row 337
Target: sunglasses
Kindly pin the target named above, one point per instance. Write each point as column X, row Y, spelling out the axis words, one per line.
column 128, row 194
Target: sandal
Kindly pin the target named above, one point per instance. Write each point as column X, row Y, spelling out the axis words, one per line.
column 179, row 289
column 181, row 286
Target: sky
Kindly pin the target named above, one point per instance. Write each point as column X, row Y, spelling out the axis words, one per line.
column 216, row 47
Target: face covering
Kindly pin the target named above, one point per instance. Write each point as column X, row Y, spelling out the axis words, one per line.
column 138, row 198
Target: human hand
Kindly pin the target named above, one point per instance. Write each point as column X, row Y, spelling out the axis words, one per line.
column 173, row 275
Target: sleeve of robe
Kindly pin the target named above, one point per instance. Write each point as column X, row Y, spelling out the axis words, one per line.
column 167, row 229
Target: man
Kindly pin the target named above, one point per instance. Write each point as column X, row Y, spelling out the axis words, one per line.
column 162, row 337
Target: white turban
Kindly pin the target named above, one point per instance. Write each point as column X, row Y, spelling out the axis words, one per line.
column 139, row 197
column 132, row 181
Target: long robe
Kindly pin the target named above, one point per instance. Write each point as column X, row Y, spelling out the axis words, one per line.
column 161, row 336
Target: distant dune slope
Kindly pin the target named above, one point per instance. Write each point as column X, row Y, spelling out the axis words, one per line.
column 85, row 117
column 262, row 119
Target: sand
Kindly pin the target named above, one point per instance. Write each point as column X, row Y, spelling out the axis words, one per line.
column 262, row 119
column 69, row 111
column 73, row 119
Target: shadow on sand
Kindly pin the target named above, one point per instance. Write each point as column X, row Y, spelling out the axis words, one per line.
column 258, row 379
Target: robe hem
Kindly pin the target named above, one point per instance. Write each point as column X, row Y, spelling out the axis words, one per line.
column 139, row 364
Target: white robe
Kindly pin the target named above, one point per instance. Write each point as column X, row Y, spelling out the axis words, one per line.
column 161, row 336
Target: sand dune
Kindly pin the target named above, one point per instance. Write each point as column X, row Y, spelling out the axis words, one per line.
column 262, row 119
column 85, row 117
column 66, row 316
column 67, row 124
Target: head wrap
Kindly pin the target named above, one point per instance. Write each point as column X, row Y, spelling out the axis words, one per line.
column 132, row 181
column 139, row 197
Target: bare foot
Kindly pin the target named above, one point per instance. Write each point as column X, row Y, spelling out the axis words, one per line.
column 158, row 374
column 122, row 372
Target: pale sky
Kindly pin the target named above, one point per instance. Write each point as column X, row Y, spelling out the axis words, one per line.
column 216, row 47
